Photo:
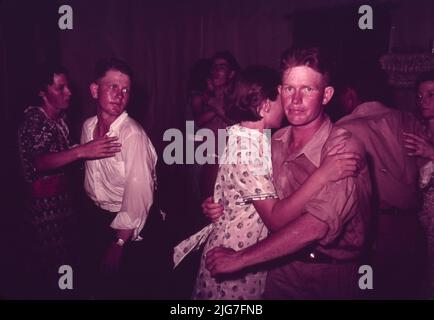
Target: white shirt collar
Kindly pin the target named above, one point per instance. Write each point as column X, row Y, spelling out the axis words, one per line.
column 114, row 127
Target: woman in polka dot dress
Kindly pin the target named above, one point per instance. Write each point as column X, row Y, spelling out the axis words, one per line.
column 245, row 174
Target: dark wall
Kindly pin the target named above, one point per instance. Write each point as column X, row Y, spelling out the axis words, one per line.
column 28, row 35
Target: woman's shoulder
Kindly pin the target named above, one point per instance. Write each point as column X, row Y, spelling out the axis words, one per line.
column 33, row 113
column 33, row 117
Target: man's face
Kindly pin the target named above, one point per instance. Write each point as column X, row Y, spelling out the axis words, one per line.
column 426, row 99
column 58, row 93
column 304, row 95
column 112, row 92
column 220, row 72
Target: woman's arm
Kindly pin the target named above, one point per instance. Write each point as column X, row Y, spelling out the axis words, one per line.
column 277, row 213
column 201, row 117
column 98, row 148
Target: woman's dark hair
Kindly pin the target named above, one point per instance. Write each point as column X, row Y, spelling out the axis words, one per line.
column 198, row 75
column 45, row 73
column 44, row 76
column 254, row 85
column 229, row 57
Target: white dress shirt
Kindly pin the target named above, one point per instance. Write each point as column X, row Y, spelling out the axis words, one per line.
column 123, row 183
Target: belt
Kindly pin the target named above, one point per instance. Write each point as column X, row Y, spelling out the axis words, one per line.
column 315, row 256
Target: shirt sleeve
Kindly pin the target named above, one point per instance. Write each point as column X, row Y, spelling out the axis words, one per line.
column 338, row 202
column 83, row 137
column 140, row 160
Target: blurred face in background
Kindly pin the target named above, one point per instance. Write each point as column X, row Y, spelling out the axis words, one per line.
column 221, row 73
column 425, row 97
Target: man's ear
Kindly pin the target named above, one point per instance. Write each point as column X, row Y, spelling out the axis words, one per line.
column 232, row 74
column 279, row 89
column 328, row 94
column 94, row 90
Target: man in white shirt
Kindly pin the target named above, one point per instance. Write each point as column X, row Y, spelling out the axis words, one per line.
column 120, row 187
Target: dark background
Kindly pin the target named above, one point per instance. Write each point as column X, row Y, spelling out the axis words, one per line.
column 162, row 40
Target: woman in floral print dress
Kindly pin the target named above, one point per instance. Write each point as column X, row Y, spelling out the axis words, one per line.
column 51, row 210
column 44, row 131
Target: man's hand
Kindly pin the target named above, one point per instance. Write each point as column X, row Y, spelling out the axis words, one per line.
column 223, row 260
column 212, row 210
column 102, row 147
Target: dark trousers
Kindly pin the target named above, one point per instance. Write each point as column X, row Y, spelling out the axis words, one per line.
column 96, row 236
column 145, row 265
column 398, row 258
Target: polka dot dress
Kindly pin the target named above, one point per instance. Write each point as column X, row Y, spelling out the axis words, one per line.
column 244, row 175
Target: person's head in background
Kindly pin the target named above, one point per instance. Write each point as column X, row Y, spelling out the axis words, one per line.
column 256, row 98
column 305, row 88
column 224, row 68
column 199, row 74
column 425, row 95
column 111, row 87
column 361, row 84
column 53, row 89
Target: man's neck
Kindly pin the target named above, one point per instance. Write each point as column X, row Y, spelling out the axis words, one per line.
column 103, row 124
column 301, row 135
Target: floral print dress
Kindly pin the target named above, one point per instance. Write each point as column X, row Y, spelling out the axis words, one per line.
column 50, row 216
column 245, row 174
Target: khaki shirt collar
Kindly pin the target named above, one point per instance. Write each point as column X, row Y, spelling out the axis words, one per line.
column 312, row 150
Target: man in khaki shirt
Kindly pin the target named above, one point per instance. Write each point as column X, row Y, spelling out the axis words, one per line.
column 322, row 246
column 396, row 233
